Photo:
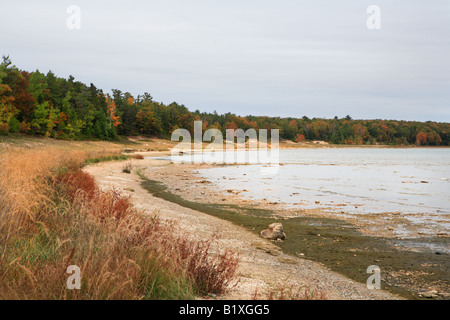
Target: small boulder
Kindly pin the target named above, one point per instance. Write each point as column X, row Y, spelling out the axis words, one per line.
column 274, row 232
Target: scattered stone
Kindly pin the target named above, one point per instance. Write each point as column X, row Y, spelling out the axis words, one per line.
column 274, row 232
column 273, row 252
column 267, row 248
column 287, row 260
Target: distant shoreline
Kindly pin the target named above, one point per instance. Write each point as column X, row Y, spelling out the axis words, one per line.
column 135, row 144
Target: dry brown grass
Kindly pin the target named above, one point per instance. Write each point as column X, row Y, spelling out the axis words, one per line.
column 53, row 215
column 24, row 187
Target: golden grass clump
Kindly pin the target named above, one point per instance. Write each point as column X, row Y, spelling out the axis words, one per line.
column 24, row 177
column 53, row 215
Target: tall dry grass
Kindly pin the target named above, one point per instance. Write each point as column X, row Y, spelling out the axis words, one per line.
column 52, row 215
column 25, row 177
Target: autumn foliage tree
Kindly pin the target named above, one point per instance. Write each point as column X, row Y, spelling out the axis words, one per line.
column 114, row 119
column 147, row 122
column 44, row 104
column 300, row 138
column 7, row 108
column 421, row 138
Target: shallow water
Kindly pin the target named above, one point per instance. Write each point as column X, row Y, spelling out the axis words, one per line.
column 354, row 180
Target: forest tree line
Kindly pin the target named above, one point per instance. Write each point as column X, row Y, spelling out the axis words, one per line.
column 41, row 104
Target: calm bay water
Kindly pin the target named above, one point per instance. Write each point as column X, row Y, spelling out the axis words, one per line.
column 412, row 181
column 357, row 180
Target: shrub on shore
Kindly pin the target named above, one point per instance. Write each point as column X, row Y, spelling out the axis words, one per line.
column 52, row 215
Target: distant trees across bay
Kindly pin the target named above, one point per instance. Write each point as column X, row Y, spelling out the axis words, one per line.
column 41, row 104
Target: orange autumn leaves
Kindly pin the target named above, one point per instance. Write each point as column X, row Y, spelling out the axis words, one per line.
column 112, row 109
column 115, row 119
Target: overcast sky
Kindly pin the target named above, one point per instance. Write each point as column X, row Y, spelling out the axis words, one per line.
column 276, row 58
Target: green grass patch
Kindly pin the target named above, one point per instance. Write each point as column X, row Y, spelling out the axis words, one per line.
column 39, row 248
column 156, row 283
column 119, row 157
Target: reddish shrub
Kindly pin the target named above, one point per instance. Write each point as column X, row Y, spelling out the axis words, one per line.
column 110, row 205
column 82, row 189
column 211, row 274
column 76, row 180
column 148, row 231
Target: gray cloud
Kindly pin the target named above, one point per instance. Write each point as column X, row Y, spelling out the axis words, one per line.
column 286, row 58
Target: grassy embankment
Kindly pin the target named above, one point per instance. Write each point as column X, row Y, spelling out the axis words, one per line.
column 53, row 215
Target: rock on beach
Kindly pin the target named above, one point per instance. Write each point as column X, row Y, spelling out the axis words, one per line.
column 274, row 232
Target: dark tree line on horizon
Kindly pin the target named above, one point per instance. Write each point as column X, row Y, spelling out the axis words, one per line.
column 41, row 104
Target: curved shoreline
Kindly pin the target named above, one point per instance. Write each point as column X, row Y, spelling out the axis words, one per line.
column 263, row 265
